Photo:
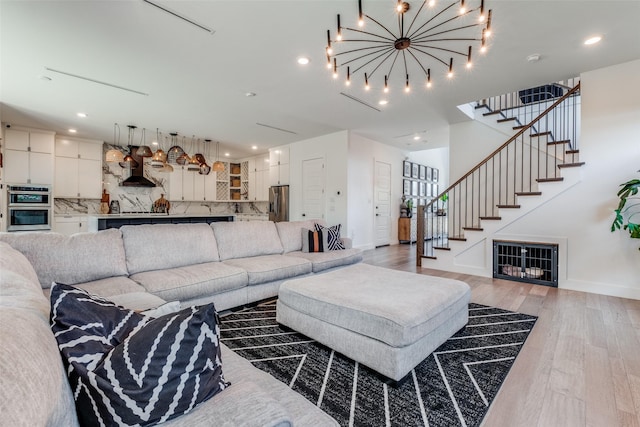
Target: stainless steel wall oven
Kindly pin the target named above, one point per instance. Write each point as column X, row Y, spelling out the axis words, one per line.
column 28, row 207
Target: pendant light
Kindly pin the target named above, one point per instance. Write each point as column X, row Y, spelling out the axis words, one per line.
column 129, row 161
column 205, row 169
column 175, row 151
column 218, row 166
column 193, row 164
column 159, row 158
column 114, row 155
column 184, row 158
column 166, row 167
column 143, row 149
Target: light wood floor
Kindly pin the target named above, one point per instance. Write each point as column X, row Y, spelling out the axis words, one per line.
column 580, row 365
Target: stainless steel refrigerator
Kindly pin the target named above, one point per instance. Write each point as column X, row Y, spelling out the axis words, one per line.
column 279, row 203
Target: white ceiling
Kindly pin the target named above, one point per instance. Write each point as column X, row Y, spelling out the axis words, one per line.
column 195, row 82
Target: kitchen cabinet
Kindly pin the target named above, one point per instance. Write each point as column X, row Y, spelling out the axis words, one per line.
column 190, row 186
column 70, row 224
column 279, row 166
column 28, row 156
column 78, row 169
column 259, row 178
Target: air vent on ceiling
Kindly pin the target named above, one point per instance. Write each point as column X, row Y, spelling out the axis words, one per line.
column 96, row 81
column 353, row 98
column 177, row 15
column 276, row 128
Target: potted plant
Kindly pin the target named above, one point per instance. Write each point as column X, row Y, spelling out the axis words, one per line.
column 628, row 211
column 443, row 211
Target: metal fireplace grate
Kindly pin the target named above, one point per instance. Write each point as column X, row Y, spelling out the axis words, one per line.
column 526, row 262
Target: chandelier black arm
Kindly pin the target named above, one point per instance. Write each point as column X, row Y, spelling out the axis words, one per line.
column 369, row 33
column 393, row 63
column 418, row 61
column 382, row 26
column 439, row 48
column 423, row 35
column 416, row 16
column 404, row 58
column 416, row 34
column 432, row 56
column 421, row 42
column 430, row 20
column 381, row 62
column 381, row 52
column 378, row 49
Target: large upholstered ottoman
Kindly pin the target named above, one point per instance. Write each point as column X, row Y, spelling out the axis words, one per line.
column 387, row 320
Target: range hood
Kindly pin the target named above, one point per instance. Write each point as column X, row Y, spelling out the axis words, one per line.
column 137, row 178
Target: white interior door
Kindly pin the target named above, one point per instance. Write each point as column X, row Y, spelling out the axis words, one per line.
column 382, row 191
column 313, row 188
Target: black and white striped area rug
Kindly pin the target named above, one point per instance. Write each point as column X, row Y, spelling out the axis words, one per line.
column 454, row 386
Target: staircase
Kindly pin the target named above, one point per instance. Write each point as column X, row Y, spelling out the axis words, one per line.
column 536, row 164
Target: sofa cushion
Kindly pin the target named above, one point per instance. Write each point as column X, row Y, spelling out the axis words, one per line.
column 160, row 246
column 194, row 281
column 246, row 239
column 79, row 258
column 268, row 268
column 330, row 259
column 130, row 369
column 290, row 233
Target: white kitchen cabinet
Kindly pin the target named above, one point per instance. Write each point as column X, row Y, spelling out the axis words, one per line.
column 78, row 169
column 259, row 178
column 190, row 186
column 71, row 224
column 28, row 156
column 279, row 166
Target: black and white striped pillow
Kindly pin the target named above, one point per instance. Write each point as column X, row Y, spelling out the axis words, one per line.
column 333, row 233
column 125, row 368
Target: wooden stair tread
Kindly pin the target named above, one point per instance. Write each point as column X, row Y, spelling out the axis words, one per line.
column 479, row 106
column 508, row 206
column 490, row 218
column 529, row 193
column 441, row 248
column 429, row 257
column 535, row 135
column 550, row 179
column 508, row 119
column 562, row 141
column 491, row 113
column 571, row 165
column 473, row 228
column 519, row 127
column 458, row 238
column 572, row 151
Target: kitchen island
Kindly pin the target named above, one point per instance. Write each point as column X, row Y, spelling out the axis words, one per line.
column 102, row 222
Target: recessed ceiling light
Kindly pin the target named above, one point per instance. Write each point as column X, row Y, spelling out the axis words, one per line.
column 415, row 138
column 250, row 94
column 383, row 102
column 254, row 147
column 83, row 115
column 72, row 131
column 303, row 60
column 592, row 40
column 534, row 57
column 154, row 143
column 227, row 154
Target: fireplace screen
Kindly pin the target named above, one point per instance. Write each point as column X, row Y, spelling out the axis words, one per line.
column 526, row 262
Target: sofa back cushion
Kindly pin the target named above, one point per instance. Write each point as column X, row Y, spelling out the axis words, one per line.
column 246, row 239
column 291, row 233
column 161, row 246
column 82, row 257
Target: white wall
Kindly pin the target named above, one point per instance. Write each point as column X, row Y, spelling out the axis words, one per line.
column 593, row 259
column 333, row 148
column 363, row 153
column 436, row 158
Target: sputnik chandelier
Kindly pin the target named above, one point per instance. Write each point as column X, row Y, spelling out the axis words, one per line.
column 379, row 54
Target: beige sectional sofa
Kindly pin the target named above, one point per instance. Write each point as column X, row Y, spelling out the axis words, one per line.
column 142, row 267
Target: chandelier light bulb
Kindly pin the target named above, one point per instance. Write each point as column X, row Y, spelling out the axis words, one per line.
column 481, row 18
column 432, row 3
column 407, row 89
column 339, row 37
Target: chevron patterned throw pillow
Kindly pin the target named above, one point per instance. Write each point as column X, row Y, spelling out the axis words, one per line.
column 125, row 368
column 335, row 243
